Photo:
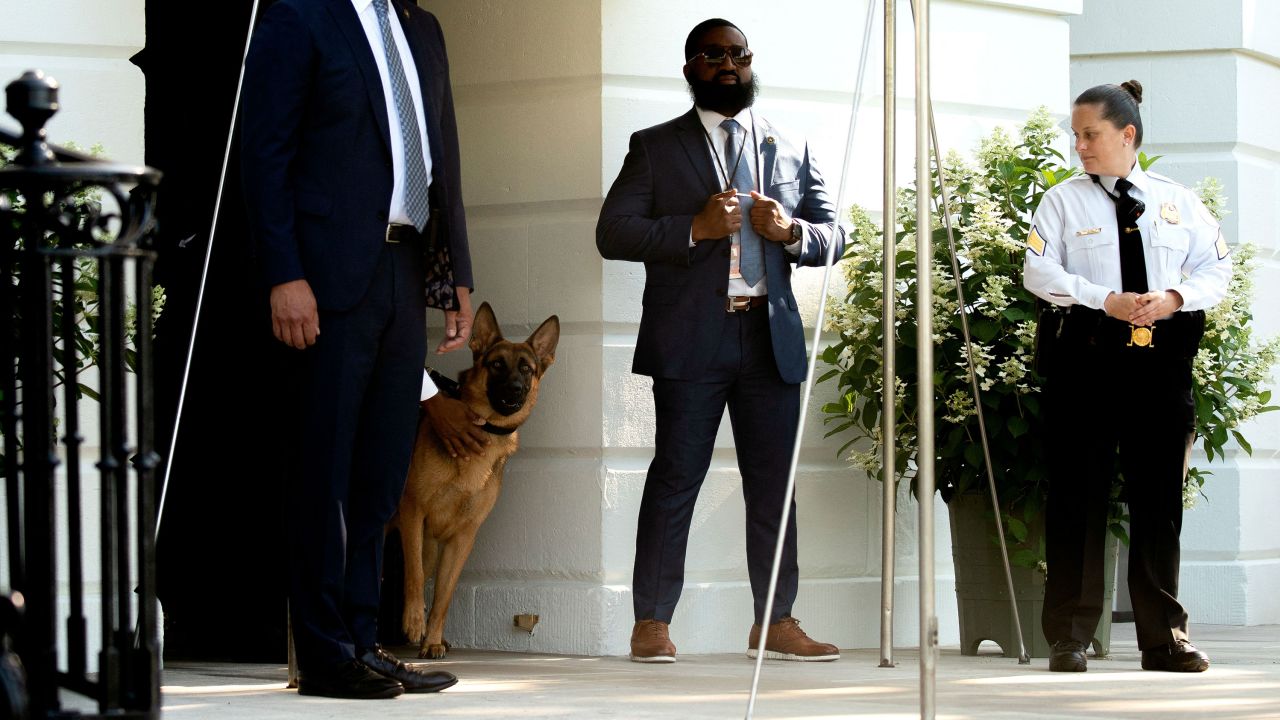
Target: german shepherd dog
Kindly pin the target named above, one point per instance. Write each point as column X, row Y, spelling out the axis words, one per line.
column 446, row 499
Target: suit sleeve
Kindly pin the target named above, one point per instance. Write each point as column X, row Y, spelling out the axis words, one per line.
column 627, row 229
column 449, row 136
column 817, row 217
column 276, row 85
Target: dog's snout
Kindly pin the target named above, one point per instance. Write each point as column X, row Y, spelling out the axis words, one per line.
column 508, row 397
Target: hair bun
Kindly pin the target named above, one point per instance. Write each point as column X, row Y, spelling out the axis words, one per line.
column 1134, row 88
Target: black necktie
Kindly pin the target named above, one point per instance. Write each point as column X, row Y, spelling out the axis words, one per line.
column 1133, row 264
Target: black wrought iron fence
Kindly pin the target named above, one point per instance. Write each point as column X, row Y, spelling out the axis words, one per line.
column 75, row 291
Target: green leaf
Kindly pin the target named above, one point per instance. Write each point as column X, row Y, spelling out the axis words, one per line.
column 1243, row 443
column 1018, row 426
column 1016, row 528
column 1025, row 558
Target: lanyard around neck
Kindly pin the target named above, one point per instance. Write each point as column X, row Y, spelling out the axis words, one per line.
column 715, row 155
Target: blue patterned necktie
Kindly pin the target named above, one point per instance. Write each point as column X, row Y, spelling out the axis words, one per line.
column 416, row 205
column 751, row 260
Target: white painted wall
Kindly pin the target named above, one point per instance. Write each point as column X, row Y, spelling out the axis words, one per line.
column 544, row 130
column 1211, row 76
column 85, row 46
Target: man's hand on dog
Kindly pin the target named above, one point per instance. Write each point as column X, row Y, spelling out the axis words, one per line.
column 456, row 426
column 294, row 318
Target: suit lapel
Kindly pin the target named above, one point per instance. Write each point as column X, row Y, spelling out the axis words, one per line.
column 428, row 79
column 694, row 139
column 768, row 150
column 344, row 14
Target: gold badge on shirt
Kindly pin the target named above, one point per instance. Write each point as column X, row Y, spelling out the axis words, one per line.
column 1088, row 231
column 1169, row 213
column 1035, row 243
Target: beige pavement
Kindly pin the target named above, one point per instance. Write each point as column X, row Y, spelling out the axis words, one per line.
column 1244, row 682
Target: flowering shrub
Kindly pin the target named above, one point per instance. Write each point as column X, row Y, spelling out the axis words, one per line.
column 991, row 202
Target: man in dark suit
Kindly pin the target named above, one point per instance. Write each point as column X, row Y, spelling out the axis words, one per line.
column 351, row 176
column 718, row 205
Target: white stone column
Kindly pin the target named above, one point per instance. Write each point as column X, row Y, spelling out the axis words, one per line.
column 548, row 92
column 85, row 46
column 1211, row 79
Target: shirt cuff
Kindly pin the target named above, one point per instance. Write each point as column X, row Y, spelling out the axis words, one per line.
column 429, row 389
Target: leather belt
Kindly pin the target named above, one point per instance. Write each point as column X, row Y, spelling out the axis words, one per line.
column 744, row 303
column 398, row 233
column 1179, row 334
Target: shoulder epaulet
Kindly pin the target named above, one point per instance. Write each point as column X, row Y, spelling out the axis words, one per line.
column 1164, row 178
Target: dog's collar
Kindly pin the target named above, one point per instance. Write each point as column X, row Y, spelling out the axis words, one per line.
column 450, row 387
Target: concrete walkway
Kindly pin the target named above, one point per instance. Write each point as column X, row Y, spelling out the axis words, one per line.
column 1244, row 682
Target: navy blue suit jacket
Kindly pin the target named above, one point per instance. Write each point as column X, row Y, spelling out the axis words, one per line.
column 317, row 149
column 647, row 216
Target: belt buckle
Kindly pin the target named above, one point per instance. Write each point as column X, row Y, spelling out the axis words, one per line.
column 733, row 304
column 388, row 237
column 1143, row 337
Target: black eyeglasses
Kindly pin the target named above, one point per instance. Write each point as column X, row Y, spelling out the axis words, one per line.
column 740, row 56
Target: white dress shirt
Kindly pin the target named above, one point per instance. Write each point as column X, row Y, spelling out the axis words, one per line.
column 750, row 155
column 1073, row 249
column 395, row 213
column 369, row 19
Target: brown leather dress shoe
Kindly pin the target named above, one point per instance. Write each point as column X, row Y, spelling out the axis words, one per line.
column 651, row 643
column 787, row 641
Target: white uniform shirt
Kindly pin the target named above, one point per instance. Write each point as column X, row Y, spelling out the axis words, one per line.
column 1073, row 248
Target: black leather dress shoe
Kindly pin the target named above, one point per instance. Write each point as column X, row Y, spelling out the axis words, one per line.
column 413, row 679
column 1068, row 656
column 1181, row 656
column 350, row 680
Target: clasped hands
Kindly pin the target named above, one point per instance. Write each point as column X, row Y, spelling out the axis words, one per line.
column 722, row 216
column 1142, row 310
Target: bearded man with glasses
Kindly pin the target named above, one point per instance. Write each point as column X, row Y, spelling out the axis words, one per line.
column 719, row 206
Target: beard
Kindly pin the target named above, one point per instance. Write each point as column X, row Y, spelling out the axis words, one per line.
column 728, row 100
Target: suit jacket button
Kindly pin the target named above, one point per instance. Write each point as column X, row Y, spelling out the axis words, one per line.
column 719, row 292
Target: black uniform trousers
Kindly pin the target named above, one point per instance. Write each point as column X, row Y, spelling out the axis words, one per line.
column 1114, row 408
column 358, row 419
column 764, row 412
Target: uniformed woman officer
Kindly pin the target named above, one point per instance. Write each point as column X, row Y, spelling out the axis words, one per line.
column 1133, row 258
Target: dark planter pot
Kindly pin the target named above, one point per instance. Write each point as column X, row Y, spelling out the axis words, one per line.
column 981, row 595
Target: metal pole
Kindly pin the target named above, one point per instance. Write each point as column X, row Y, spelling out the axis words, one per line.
column 924, row 361
column 888, row 418
column 814, row 352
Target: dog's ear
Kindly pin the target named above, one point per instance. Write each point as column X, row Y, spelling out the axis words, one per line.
column 486, row 332
column 544, row 340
